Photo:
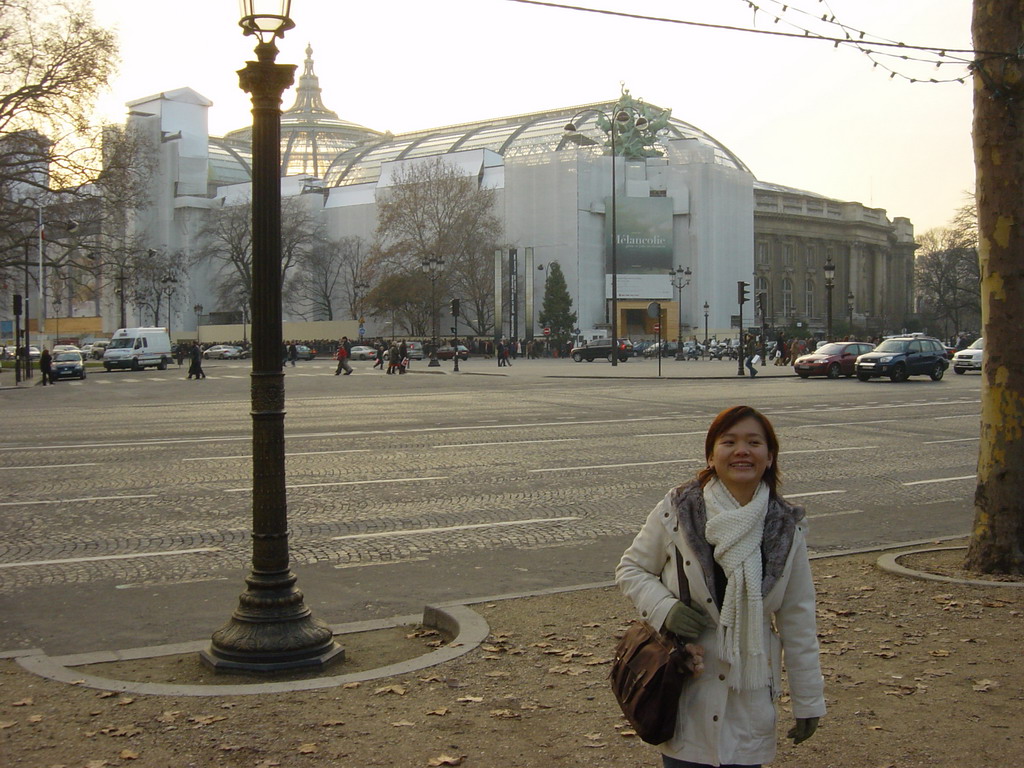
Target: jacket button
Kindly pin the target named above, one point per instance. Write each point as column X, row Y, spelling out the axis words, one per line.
column 666, row 514
column 715, row 718
column 676, row 528
column 721, row 677
column 644, row 614
column 687, row 562
column 709, row 599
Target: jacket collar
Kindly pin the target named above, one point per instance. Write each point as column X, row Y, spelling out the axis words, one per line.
column 779, row 530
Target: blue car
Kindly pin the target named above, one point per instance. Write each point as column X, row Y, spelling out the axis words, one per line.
column 68, row 365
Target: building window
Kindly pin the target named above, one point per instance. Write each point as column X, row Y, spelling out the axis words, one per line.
column 809, row 298
column 787, row 297
column 787, row 254
column 811, row 253
column 762, row 253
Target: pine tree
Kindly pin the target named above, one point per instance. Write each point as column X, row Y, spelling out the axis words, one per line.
column 556, row 312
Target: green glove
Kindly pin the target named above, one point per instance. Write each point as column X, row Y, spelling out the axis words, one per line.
column 687, row 621
column 803, row 730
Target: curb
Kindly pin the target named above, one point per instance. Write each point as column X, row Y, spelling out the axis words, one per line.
column 890, row 562
column 468, row 627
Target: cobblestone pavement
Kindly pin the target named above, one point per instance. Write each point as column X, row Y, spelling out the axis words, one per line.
column 142, row 480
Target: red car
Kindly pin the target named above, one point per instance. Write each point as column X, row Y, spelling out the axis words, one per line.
column 833, row 360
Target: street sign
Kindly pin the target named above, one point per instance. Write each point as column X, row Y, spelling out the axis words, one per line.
column 657, row 327
column 362, row 330
column 547, row 331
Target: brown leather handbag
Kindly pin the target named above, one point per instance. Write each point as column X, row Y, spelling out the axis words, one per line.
column 648, row 673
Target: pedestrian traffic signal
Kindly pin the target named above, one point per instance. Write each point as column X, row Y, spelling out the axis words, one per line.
column 455, row 307
column 742, row 295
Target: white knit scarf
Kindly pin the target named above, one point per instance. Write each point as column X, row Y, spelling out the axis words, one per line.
column 735, row 531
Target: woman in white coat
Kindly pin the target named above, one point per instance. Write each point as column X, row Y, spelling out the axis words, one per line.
column 745, row 561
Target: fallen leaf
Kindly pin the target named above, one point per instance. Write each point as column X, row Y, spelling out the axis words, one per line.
column 938, row 653
column 332, row 723
column 496, row 673
column 505, row 714
column 308, row 749
column 492, row 648
column 351, row 685
column 983, row 686
column 124, row 701
column 127, row 754
column 23, row 703
column 439, row 712
column 201, row 720
column 106, row 694
column 432, row 679
column 7, row 724
column 396, row 689
column 445, row 760
column 96, row 764
column 402, row 724
column 471, row 699
column 268, row 763
column 168, row 716
column 628, row 733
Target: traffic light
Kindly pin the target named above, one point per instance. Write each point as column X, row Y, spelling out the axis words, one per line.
column 760, row 303
column 742, row 296
column 17, row 304
column 455, row 307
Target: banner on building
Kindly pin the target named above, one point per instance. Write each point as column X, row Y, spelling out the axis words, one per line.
column 643, row 246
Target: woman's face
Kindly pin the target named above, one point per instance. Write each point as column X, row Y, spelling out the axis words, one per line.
column 740, row 457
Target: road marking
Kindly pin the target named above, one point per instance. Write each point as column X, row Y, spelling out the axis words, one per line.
column 811, row 493
column 109, row 557
column 831, row 450
column 957, row 440
column 70, row 501
column 508, row 442
column 840, row 424
column 673, row 434
column 835, row 514
column 471, row 526
column 54, row 466
column 349, row 482
column 302, row 453
column 942, row 480
column 961, row 416
column 613, row 466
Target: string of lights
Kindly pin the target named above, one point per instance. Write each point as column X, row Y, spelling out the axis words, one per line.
column 884, row 53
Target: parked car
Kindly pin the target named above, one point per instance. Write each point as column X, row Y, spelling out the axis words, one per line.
column 34, row 353
column 222, row 352
column 969, row 359
column 602, row 349
column 98, row 348
column 362, row 352
column 665, row 349
column 833, row 360
column 65, row 348
column 304, row 353
column 68, row 365
column 448, row 352
column 901, row 356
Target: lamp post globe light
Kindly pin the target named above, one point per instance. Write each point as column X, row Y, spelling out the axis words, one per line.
column 621, row 116
column 432, row 266
column 849, row 306
column 271, row 629
column 680, row 279
column 830, row 282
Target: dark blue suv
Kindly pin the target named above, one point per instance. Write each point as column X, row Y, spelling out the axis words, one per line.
column 901, row 356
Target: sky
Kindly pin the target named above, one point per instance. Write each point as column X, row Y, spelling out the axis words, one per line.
column 799, row 112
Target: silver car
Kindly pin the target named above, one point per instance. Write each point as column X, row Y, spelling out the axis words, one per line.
column 969, row 359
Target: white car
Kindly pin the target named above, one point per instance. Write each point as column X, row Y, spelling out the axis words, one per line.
column 969, row 359
column 223, row 352
column 363, row 353
column 65, row 348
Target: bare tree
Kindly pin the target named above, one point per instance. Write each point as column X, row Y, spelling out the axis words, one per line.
column 435, row 211
column 227, row 240
column 947, row 277
column 997, row 541
column 330, row 275
column 403, row 298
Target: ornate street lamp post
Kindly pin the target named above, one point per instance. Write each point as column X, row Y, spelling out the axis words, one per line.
column 621, row 116
column 706, row 308
column 830, row 282
column 680, row 279
column 271, row 629
column 169, row 282
column 849, row 307
column 433, row 265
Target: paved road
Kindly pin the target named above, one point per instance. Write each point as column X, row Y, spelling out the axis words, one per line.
column 125, row 511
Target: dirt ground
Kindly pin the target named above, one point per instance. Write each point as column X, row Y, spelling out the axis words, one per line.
column 918, row 673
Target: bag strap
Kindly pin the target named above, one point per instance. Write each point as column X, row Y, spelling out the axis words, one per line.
column 681, row 580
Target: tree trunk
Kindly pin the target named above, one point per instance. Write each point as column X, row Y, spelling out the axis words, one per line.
column 997, row 542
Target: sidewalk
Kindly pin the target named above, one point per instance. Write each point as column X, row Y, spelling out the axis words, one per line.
column 918, row 673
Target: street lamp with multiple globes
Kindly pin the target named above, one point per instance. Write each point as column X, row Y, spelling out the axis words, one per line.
column 680, row 279
column 620, row 116
column 169, row 283
column 432, row 266
column 830, row 282
column 849, row 306
column 271, row 629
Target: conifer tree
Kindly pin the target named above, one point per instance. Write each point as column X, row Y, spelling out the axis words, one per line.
column 556, row 311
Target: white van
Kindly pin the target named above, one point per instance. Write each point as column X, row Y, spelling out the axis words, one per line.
column 137, row 348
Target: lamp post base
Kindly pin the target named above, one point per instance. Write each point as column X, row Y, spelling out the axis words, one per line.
column 272, row 630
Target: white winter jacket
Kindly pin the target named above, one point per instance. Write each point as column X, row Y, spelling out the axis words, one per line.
column 718, row 725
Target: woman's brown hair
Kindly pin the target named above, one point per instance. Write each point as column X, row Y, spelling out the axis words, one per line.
column 723, row 423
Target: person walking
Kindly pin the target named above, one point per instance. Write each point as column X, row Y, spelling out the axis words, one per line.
column 393, row 360
column 751, row 355
column 46, row 366
column 378, row 357
column 403, row 357
column 746, row 599
column 344, row 350
column 195, row 367
column 293, row 353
